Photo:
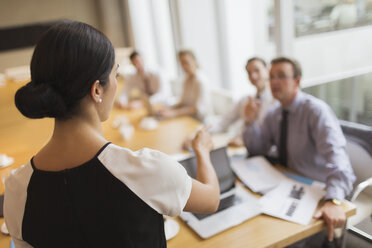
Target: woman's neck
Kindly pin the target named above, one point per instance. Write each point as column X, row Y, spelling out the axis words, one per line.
column 77, row 129
column 73, row 142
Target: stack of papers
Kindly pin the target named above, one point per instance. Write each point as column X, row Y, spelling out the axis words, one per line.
column 257, row 173
column 285, row 195
column 293, row 201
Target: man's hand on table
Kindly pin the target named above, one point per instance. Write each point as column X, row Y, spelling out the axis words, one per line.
column 333, row 215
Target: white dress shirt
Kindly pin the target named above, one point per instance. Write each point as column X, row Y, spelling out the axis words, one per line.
column 237, row 112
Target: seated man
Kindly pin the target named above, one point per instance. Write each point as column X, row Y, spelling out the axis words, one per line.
column 258, row 75
column 308, row 137
column 147, row 85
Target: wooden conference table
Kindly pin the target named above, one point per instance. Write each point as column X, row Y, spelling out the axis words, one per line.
column 21, row 138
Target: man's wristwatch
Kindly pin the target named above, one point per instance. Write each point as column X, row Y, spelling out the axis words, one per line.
column 335, row 201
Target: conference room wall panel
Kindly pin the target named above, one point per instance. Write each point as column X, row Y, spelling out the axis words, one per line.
column 104, row 15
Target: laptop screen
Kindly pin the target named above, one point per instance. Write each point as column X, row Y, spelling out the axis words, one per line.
column 221, row 164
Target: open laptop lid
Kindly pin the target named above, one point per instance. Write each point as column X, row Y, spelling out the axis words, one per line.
column 221, row 164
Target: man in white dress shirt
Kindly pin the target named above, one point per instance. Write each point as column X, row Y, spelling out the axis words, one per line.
column 258, row 75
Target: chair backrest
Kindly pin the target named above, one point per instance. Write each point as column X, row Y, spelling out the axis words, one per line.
column 222, row 100
column 359, row 149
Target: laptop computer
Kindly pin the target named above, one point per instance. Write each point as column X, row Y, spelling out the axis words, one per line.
column 236, row 204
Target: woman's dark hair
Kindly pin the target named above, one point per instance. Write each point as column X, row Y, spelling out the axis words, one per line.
column 67, row 60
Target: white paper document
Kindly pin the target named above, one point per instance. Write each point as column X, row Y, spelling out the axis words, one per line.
column 293, row 201
column 257, row 173
column 286, row 195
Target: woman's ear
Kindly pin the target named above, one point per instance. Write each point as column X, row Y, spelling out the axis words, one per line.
column 96, row 92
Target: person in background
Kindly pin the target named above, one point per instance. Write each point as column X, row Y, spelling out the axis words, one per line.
column 145, row 83
column 308, row 137
column 195, row 99
column 258, row 75
column 80, row 190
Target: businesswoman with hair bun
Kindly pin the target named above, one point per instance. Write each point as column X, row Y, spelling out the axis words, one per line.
column 80, row 190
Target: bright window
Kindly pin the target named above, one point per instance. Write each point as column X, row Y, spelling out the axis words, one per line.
column 328, row 15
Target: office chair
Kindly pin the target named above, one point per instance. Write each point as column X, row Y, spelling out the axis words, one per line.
column 359, row 148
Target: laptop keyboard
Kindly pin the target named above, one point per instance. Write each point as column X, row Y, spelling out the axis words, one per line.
column 224, row 203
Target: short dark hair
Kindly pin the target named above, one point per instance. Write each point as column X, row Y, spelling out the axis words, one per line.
column 256, row 59
column 133, row 55
column 297, row 71
column 66, row 61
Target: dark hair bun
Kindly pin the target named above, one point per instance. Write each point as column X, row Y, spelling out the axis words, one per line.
column 39, row 101
column 66, row 61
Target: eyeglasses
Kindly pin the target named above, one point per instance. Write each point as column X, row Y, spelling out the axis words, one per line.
column 281, row 78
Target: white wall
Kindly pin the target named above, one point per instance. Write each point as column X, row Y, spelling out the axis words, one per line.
column 164, row 38
column 224, row 34
column 152, row 33
column 143, row 30
column 334, row 52
column 223, row 46
column 197, row 21
column 246, row 37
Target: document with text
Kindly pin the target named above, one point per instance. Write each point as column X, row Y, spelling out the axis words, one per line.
column 293, row 201
column 257, row 173
column 285, row 195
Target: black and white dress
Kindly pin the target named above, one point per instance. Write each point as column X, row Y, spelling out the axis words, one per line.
column 116, row 199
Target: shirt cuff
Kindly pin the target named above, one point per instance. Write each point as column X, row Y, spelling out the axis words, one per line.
column 335, row 193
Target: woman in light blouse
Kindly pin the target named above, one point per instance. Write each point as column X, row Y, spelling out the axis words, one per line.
column 195, row 99
column 80, row 190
